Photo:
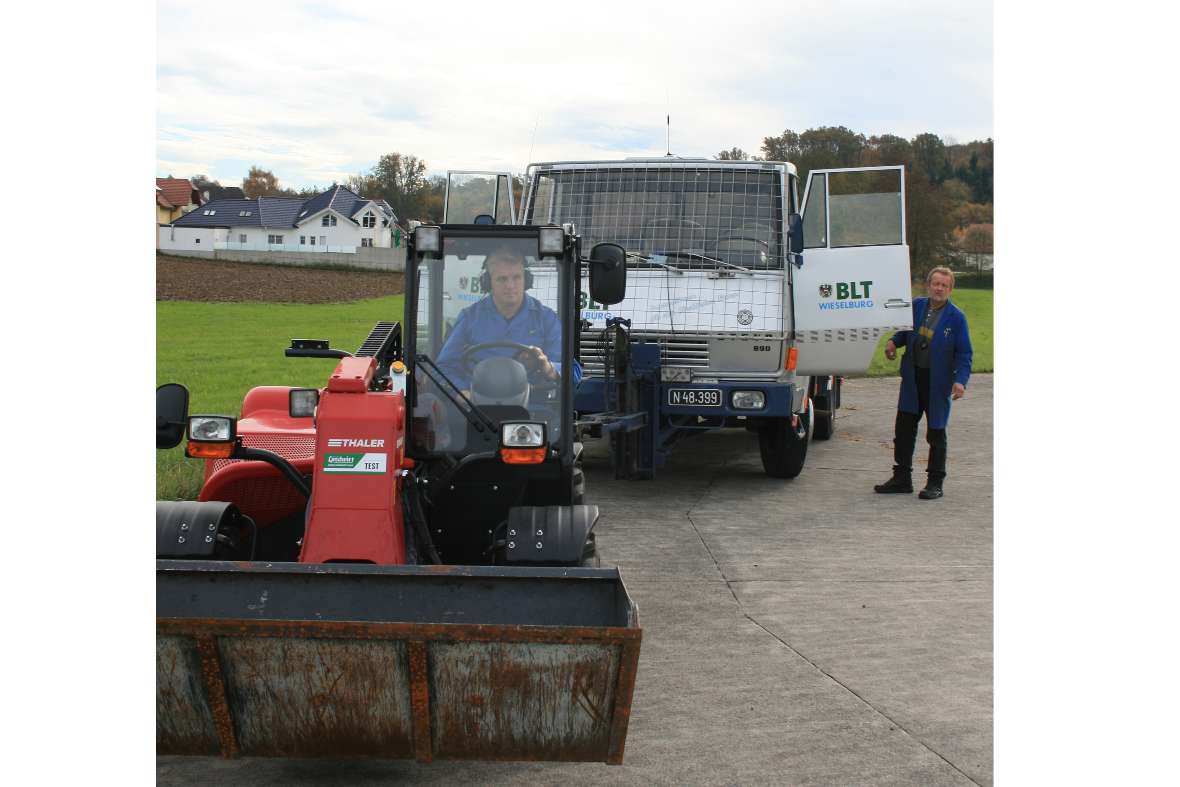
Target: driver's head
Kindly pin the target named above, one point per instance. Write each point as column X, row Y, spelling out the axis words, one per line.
column 506, row 270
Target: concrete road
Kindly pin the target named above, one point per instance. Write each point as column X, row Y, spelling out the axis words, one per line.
column 795, row 632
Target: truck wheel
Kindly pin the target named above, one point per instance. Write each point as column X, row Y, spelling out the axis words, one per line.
column 825, row 425
column 783, row 450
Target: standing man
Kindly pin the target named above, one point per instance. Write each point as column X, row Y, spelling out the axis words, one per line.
column 934, row 370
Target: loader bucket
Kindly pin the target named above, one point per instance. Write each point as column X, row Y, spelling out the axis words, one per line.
column 424, row 662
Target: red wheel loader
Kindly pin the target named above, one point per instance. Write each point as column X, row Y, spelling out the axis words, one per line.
column 401, row 564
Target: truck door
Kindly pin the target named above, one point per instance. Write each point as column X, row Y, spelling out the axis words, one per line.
column 854, row 284
column 474, row 193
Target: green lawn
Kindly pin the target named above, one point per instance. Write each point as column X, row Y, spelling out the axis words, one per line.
column 977, row 305
column 222, row 350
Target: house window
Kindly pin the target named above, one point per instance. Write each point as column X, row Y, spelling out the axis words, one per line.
column 366, row 242
column 275, row 239
column 312, row 238
column 303, row 240
column 369, row 220
column 323, row 240
column 328, row 220
column 241, row 238
column 196, row 240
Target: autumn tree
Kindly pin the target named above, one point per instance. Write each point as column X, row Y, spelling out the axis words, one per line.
column 261, row 183
column 735, row 154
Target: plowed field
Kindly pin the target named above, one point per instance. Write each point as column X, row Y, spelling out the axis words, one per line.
column 187, row 279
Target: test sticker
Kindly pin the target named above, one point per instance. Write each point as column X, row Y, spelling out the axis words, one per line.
column 355, row 463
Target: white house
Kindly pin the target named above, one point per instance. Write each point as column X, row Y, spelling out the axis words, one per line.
column 336, row 220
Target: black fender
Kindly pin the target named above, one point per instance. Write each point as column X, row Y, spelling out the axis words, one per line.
column 187, row 529
column 548, row 534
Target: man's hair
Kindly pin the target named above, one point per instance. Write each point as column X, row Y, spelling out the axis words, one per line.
column 505, row 254
column 943, row 270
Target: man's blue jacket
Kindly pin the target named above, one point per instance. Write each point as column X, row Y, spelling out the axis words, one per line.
column 950, row 362
column 535, row 325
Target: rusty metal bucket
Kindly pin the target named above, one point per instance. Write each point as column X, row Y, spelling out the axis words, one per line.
column 438, row 662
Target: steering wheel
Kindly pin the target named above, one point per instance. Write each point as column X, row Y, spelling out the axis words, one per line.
column 469, row 361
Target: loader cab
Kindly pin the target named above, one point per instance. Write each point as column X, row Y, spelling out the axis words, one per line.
column 479, row 298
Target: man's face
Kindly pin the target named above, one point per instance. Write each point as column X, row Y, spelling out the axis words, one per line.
column 507, row 274
column 939, row 288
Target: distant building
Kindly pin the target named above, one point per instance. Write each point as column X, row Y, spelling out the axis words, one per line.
column 335, row 220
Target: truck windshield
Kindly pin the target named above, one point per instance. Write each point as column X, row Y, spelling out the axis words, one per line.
column 488, row 337
column 690, row 216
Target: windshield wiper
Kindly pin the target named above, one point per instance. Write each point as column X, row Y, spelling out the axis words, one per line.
column 472, row 412
column 650, row 261
column 698, row 256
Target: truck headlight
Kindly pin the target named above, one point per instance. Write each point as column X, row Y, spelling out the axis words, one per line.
column 748, row 400
column 551, row 241
column 428, row 239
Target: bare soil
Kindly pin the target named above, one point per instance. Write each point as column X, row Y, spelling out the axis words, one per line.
column 188, row 279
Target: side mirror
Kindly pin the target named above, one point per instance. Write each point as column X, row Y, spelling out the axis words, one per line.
column 795, row 233
column 171, row 414
column 608, row 273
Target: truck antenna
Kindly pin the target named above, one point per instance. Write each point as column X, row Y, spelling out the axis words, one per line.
column 669, row 154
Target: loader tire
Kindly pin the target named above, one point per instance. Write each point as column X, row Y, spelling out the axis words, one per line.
column 590, row 557
column 783, row 451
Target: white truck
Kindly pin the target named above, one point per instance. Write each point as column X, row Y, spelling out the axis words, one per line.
column 744, row 305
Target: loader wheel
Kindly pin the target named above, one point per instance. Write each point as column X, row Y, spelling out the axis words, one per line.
column 783, row 450
column 590, row 557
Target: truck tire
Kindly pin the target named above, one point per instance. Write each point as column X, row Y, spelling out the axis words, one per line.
column 783, row 451
column 825, row 425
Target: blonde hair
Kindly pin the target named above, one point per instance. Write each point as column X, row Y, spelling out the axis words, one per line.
column 944, row 270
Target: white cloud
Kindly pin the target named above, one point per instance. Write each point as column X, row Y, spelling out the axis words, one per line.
column 317, row 92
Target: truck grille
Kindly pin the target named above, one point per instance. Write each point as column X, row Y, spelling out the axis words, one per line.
column 691, row 350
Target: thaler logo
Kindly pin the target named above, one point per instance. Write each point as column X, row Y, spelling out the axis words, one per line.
column 348, row 442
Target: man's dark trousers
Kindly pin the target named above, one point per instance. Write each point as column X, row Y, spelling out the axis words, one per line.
column 905, row 434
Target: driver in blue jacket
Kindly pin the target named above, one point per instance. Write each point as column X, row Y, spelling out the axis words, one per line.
column 507, row 314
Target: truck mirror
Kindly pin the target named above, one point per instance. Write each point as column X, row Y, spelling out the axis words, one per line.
column 608, row 273
column 171, row 414
column 795, row 232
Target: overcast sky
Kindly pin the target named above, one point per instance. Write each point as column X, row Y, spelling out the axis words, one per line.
column 316, row 91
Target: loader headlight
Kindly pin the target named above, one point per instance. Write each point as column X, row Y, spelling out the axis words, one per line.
column 551, row 242
column 748, row 400
column 428, row 239
column 211, row 428
column 522, row 443
column 301, row 402
column 522, row 435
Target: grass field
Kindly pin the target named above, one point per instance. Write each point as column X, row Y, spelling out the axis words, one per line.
column 222, row 350
column 977, row 305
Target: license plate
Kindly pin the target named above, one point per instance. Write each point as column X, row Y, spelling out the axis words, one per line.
column 694, row 397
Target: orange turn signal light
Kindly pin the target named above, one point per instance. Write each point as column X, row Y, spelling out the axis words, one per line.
column 197, row 450
column 792, row 359
column 523, row 456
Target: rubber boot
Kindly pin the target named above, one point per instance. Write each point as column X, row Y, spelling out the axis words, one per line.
column 933, row 489
column 902, row 482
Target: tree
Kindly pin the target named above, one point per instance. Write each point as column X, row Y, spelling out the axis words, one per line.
column 401, row 181
column 261, row 183
column 816, row 148
column 930, row 157
column 735, row 154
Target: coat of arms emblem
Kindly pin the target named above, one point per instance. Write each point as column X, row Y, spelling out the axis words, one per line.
column 825, row 290
column 462, row 282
